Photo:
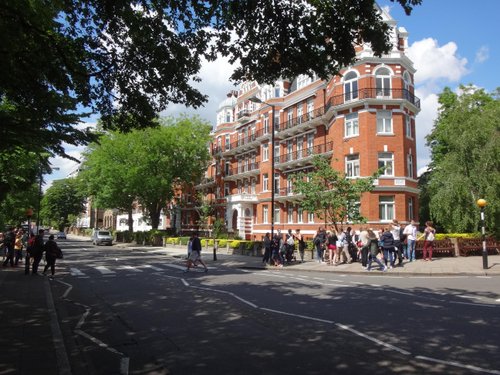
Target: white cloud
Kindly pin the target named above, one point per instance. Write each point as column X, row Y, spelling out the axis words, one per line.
column 482, row 54
column 436, row 63
column 436, row 67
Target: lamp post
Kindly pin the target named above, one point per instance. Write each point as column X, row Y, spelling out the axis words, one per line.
column 481, row 204
column 254, row 99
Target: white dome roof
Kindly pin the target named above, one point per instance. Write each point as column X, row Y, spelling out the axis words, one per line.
column 230, row 101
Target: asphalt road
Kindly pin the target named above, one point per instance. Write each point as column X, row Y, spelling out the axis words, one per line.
column 135, row 312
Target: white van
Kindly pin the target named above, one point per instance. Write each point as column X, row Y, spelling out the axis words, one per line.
column 102, row 237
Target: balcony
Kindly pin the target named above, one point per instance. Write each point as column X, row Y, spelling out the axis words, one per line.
column 243, row 171
column 246, row 142
column 244, row 116
column 302, row 157
column 375, row 94
column 302, row 123
column 205, row 183
column 287, row 195
column 244, row 197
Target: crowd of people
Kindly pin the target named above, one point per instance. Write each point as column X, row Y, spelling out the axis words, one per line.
column 392, row 244
column 17, row 246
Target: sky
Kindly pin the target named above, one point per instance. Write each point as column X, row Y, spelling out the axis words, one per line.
column 451, row 42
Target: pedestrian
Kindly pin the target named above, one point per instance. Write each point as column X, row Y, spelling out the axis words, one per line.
column 9, row 241
column 411, row 238
column 29, row 249
column 319, row 243
column 37, row 251
column 430, row 234
column 331, row 244
column 2, row 246
column 195, row 256
column 374, row 251
column 290, row 246
column 387, row 241
column 275, row 251
column 190, row 246
column 346, row 239
column 52, row 252
column 267, row 249
column 18, row 247
column 396, row 234
column 365, row 248
column 302, row 244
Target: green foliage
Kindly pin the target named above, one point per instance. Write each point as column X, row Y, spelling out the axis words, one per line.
column 219, row 228
column 146, row 165
column 329, row 194
column 62, row 199
column 60, row 56
column 465, row 166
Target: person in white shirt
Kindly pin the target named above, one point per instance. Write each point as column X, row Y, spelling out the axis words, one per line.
column 396, row 233
column 411, row 236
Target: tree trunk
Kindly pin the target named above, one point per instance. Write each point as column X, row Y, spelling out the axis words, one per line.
column 130, row 221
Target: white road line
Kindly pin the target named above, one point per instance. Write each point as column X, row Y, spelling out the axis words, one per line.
column 497, row 300
column 76, row 272
column 104, row 270
column 176, row 266
column 152, row 267
column 129, row 268
column 298, row 315
column 468, row 297
column 457, row 364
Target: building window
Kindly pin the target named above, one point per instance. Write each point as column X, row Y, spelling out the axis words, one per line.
column 300, row 145
column 386, row 162
column 289, row 150
column 300, row 215
column 310, row 217
column 411, row 214
column 290, row 215
column 409, row 165
column 408, row 131
column 310, row 144
column 383, row 82
column 240, row 189
column 266, row 124
column 350, row 86
column 226, row 189
column 351, row 126
column 289, row 186
column 352, row 165
column 277, row 91
column 265, row 152
column 310, row 109
column 386, row 208
column 227, row 141
column 303, row 80
column 276, row 152
column 384, row 122
column 265, row 182
column 289, row 117
column 276, row 215
column 276, row 184
column 265, row 214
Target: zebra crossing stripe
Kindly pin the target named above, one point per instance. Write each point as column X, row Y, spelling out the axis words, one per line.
column 148, row 266
column 76, row 272
column 129, row 268
column 104, row 270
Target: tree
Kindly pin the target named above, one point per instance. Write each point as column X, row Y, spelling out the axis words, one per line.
column 147, row 165
column 128, row 61
column 61, row 201
column 329, row 194
column 465, row 166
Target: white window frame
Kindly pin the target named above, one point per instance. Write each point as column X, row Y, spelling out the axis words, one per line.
column 300, row 147
column 290, row 214
column 266, row 124
column 277, row 212
column 383, row 82
column 350, row 86
column 227, row 192
column 300, row 113
column 410, row 165
column 265, row 214
column 310, row 217
column 386, row 161
column 411, row 205
column 352, row 166
column 265, row 152
column 351, row 125
column 384, row 122
column 408, row 129
column 265, row 182
column 300, row 215
column 387, row 207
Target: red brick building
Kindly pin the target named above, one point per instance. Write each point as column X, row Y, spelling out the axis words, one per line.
column 362, row 119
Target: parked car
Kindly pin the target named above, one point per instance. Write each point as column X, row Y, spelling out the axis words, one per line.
column 102, row 237
column 61, row 235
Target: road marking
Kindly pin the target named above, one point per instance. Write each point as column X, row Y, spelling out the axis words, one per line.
column 105, row 270
column 152, row 267
column 176, row 266
column 468, row 297
column 129, row 268
column 457, row 364
column 76, row 272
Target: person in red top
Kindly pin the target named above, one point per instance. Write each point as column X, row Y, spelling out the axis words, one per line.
column 430, row 234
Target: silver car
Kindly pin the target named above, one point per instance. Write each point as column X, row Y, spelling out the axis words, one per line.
column 102, row 237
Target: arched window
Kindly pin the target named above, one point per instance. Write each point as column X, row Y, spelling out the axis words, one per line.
column 350, row 86
column 383, row 82
column 406, row 85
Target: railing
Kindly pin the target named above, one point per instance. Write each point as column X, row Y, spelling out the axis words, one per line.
column 242, row 169
column 288, row 124
column 243, row 113
column 374, row 93
column 305, row 153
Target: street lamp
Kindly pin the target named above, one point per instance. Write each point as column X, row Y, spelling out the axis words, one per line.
column 254, row 99
column 481, row 204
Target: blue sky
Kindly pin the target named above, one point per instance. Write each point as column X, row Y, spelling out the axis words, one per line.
column 451, row 42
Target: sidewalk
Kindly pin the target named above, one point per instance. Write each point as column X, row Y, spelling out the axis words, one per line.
column 470, row 266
